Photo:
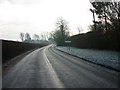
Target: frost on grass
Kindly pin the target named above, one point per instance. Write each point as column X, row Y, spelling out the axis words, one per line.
column 107, row 58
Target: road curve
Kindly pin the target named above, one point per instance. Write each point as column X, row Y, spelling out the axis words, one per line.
column 49, row 68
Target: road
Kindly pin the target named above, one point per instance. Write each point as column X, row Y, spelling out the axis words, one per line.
column 49, row 68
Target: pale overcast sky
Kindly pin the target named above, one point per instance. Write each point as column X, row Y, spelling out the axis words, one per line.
column 37, row 16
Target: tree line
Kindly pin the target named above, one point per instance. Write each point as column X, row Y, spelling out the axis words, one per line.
column 26, row 37
column 104, row 33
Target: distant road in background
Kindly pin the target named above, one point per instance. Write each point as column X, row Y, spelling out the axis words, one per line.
column 49, row 68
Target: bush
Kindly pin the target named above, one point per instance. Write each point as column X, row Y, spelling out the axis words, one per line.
column 97, row 40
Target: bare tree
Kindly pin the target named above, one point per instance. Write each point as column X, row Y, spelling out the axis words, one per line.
column 42, row 36
column 36, row 37
column 108, row 12
column 22, row 36
column 47, row 35
column 27, row 37
column 80, row 29
column 61, row 33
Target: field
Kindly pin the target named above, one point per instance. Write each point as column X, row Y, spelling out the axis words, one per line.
column 11, row 49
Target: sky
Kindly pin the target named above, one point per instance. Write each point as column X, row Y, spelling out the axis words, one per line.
column 39, row 16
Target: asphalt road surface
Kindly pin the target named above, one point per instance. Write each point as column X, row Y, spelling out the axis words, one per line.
column 49, row 68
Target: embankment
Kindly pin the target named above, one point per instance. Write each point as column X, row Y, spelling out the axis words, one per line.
column 11, row 49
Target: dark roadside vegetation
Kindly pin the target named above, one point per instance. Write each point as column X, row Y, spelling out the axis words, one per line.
column 96, row 40
column 100, row 38
column 11, row 49
column 104, row 33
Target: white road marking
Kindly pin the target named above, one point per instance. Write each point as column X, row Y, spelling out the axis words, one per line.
column 54, row 76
